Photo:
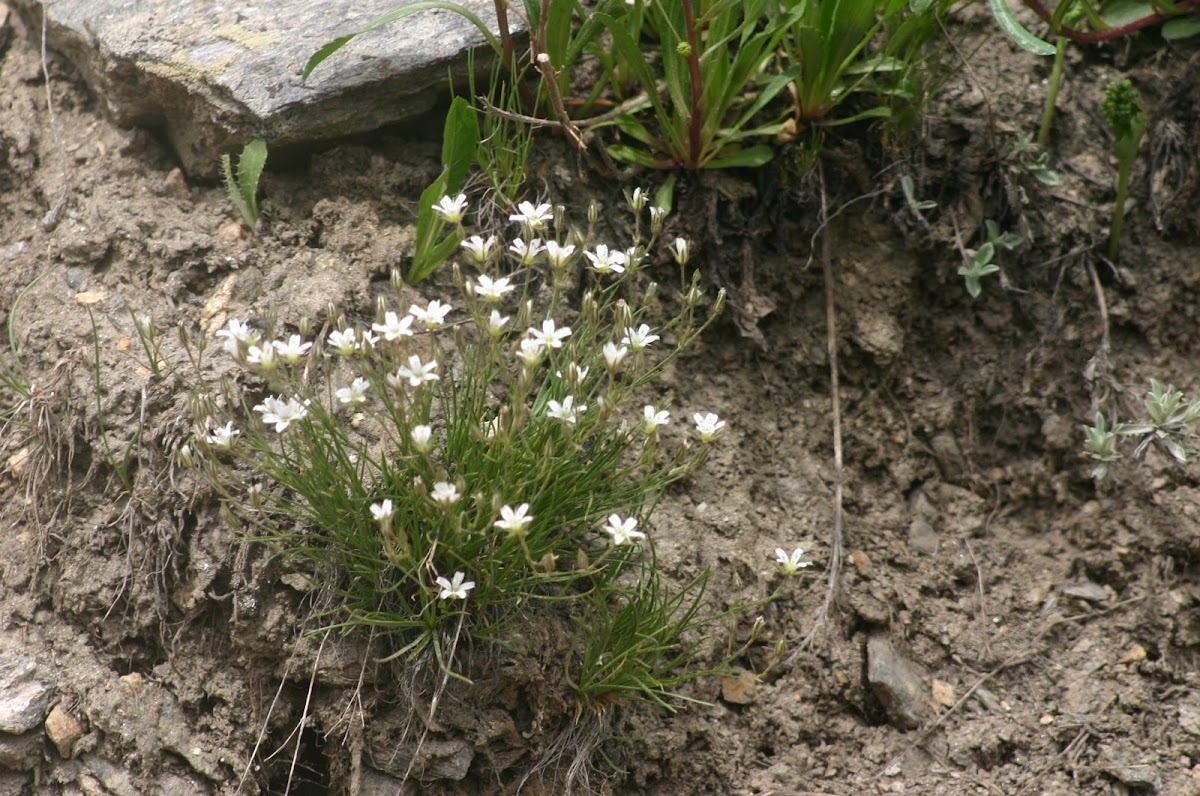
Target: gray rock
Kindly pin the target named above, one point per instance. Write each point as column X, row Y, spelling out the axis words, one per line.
column 432, row 760
column 16, row 784
column 922, row 538
column 24, row 698
column 896, row 683
column 20, row 752
column 1092, row 592
column 219, row 74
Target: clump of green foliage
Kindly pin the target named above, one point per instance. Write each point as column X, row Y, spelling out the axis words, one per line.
column 461, row 468
column 1169, row 425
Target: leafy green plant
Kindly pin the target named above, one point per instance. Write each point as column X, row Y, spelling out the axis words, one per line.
column 1025, row 157
column 460, row 139
column 243, row 190
column 444, row 471
column 978, row 265
column 1169, row 425
column 1126, row 117
column 1107, row 20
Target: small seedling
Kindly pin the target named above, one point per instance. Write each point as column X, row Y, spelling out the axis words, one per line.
column 1100, row 444
column 978, row 266
column 1169, row 425
column 915, row 206
column 1126, row 117
column 1002, row 238
column 1023, row 160
column 243, row 190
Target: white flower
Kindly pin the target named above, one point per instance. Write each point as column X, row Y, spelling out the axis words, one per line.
column 709, row 426
column 416, row 372
column 490, row 427
column 614, row 355
column 565, row 411
column 394, row 327
column 238, row 337
column 606, row 262
column 455, row 589
column 531, row 351
column 421, row 436
column 495, row 323
column 261, row 357
column 638, row 338
column 223, row 436
column 433, row 316
column 479, row 249
column 638, row 200
column 493, row 289
column 282, row 413
column 451, row 209
column 515, row 521
column 793, row 563
column 533, row 217
column 381, row 512
column 558, row 255
column 345, row 342
column 657, row 214
column 549, row 335
column 291, row 351
column 356, row 393
column 622, row 531
column 681, row 251
column 526, row 253
column 445, row 493
column 653, row 418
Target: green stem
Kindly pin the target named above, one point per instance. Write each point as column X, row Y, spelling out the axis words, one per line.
column 1124, row 169
column 1056, row 75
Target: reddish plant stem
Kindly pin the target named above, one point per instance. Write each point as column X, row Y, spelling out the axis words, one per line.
column 1098, row 36
column 695, row 123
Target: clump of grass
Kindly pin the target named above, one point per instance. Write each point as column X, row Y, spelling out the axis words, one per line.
column 459, row 468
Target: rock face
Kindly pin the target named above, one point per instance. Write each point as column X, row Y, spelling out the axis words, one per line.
column 219, row 74
column 24, row 697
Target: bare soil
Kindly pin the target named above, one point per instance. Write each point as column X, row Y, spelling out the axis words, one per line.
column 1051, row 623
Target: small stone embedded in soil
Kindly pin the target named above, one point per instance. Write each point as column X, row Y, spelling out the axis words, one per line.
column 896, row 683
column 1189, row 717
column 1135, row 654
column 1091, row 592
column 64, row 730
column 740, row 689
column 24, row 697
column 922, row 538
column 943, row 693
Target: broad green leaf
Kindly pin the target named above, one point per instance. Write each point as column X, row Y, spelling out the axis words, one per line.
column 1016, row 31
column 751, row 157
column 249, row 170
column 641, row 157
column 1116, row 13
column 1183, row 28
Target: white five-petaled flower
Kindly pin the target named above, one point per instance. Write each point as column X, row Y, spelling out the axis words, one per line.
column 557, row 255
column 261, row 357
column 791, row 563
column 238, row 337
column 614, row 355
column 526, row 253
column 348, row 341
column 515, row 521
column 531, row 351
column 422, row 437
column 652, row 418
column 444, row 493
column 415, row 372
column 550, row 336
column 223, row 436
column 382, row 512
column 606, row 262
column 681, row 251
column 291, row 351
column 709, row 426
column 356, row 393
column 455, row 589
column 565, row 411
column 452, row 208
column 638, row 338
column 433, row 316
column 394, row 326
column 495, row 323
column 282, row 413
column 622, row 531
column 479, row 249
column 534, row 217
column 491, row 290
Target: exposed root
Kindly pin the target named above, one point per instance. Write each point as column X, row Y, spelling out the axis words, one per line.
column 568, row 762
